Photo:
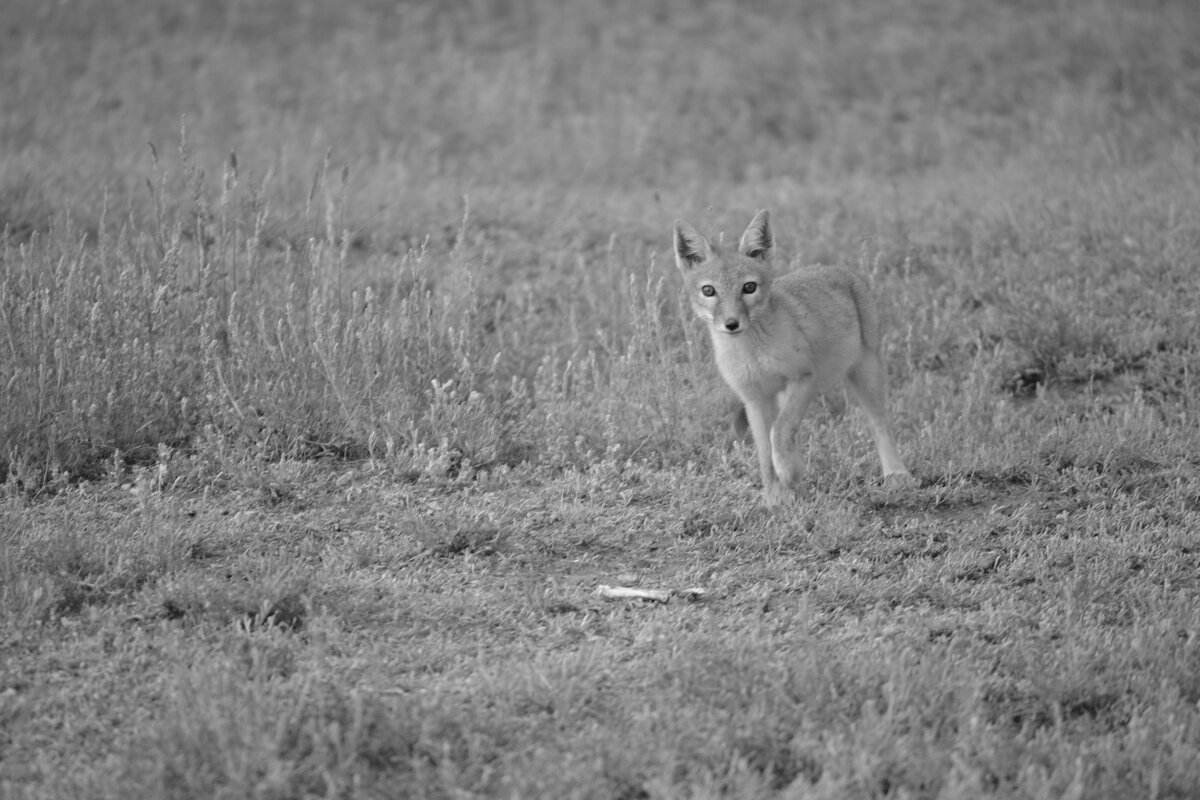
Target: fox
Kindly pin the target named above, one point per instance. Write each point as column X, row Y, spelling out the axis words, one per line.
column 781, row 340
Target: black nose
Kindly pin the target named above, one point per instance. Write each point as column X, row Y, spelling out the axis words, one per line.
column 731, row 324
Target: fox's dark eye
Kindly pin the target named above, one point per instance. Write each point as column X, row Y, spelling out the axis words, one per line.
column 749, row 287
column 708, row 290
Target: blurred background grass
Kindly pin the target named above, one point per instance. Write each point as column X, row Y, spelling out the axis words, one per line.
column 426, row 101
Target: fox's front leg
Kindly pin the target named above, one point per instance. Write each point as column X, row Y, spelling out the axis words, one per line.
column 794, row 401
column 761, row 413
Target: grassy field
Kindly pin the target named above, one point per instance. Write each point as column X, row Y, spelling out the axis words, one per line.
column 342, row 360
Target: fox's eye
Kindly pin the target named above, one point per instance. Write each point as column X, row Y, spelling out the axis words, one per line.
column 708, row 290
column 749, row 287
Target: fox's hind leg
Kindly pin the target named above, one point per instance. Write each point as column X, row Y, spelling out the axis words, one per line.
column 868, row 384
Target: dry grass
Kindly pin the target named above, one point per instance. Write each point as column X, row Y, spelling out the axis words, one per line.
column 314, row 454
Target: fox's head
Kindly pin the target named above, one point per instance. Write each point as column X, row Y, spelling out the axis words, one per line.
column 727, row 288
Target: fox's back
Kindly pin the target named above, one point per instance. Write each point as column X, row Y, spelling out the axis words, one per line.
column 828, row 301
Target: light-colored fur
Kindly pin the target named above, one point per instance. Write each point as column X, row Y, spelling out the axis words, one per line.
column 781, row 340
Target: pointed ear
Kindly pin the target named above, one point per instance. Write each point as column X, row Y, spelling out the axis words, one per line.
column 758, row 241
column 690, row 247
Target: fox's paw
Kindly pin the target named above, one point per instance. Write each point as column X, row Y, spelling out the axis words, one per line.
column 778, row 496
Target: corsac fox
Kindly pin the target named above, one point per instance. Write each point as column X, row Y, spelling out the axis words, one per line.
column 782, row 339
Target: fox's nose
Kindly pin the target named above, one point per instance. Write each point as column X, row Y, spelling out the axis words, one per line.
column 732, row 324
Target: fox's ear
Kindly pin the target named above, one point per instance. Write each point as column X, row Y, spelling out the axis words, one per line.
column 690, row 247
column 758, row 241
